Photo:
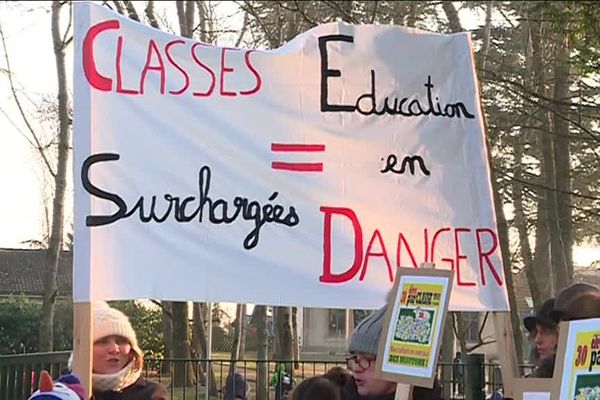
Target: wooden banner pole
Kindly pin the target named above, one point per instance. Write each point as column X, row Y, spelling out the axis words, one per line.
column 82, row 344
column 502, row 321
column 506, row 351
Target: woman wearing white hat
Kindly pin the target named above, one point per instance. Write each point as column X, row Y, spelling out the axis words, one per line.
column 118, row 361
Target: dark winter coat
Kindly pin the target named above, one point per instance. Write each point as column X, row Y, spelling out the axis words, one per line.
column 142, row 389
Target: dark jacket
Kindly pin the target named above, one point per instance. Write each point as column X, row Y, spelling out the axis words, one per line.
column 142, row 389
column 419, row 393
column 545, row 368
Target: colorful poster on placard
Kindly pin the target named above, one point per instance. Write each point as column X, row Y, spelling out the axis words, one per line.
column 581, row 373
column 416, row 320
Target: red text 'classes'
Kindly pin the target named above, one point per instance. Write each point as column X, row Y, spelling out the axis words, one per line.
column 160, row 62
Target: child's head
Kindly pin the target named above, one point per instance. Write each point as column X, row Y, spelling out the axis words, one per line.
column 236, row 387
column 67, row 387
column 316, row 388
column 338, row 375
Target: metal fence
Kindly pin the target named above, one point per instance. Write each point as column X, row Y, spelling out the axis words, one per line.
column 19, row 374
column 188, row 379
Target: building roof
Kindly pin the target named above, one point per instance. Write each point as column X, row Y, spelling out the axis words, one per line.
column 22, row 272
column 588, row 275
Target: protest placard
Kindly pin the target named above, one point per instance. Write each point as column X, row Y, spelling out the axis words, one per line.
column 414, row 321
column 577, row 368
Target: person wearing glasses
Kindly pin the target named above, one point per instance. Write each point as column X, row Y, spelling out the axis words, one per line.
column 363, row 385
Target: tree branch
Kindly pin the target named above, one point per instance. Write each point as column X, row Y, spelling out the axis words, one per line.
column 552, row 189
column 452, row 15
column 119, row 7
column 480, row 344
column 149, row 11
column 243, row 30
column 65, row 41
column 38, row 145
column 246, row 6
column 131, row 11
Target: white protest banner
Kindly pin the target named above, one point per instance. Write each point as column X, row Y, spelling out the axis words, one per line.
column 304, row 175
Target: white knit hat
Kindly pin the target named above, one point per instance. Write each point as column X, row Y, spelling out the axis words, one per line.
column 109, row 321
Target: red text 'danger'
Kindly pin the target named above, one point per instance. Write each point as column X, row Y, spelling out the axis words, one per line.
column 370, row 247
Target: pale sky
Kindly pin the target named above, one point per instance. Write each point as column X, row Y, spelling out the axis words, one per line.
column 26, row 28
column 29, row 43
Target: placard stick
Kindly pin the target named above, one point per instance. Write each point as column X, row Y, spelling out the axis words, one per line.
column 82, row 344
column 536, row 388
column 403, row 392
column 506, row 351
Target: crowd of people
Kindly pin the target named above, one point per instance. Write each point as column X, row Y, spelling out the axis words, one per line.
column 117, row 360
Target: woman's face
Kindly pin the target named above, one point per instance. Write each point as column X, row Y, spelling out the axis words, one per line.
column 111, row 354
column 545, row 340
column 363, row 370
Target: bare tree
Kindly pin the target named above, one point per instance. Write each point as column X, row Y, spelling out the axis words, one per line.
column 60, row 42
column 201, row 345
column 182, row 374
column 561, row 229
column 456, row 26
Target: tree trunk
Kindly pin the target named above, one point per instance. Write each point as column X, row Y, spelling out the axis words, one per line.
column 46, row 331
column 179, row 5
column 295, row 341
column 460, row 330
column 201, row 343
column 452, row 15
column 167, row 325
column 149, row 10
column 185, row 16
column 260, row 316
column 541, row 258
column 523, row 229
column 485, row 47
column 244, row 329
column 448, row 355
column 182, row 372
column 519, row 142
column 237, row 338
column 284, row 349
column 562, row 155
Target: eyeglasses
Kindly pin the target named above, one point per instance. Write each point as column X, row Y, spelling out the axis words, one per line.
column 362, row 361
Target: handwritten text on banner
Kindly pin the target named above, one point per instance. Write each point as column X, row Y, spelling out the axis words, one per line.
column 304, row 175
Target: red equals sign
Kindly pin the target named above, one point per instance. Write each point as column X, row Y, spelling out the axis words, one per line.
column 297, row 148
